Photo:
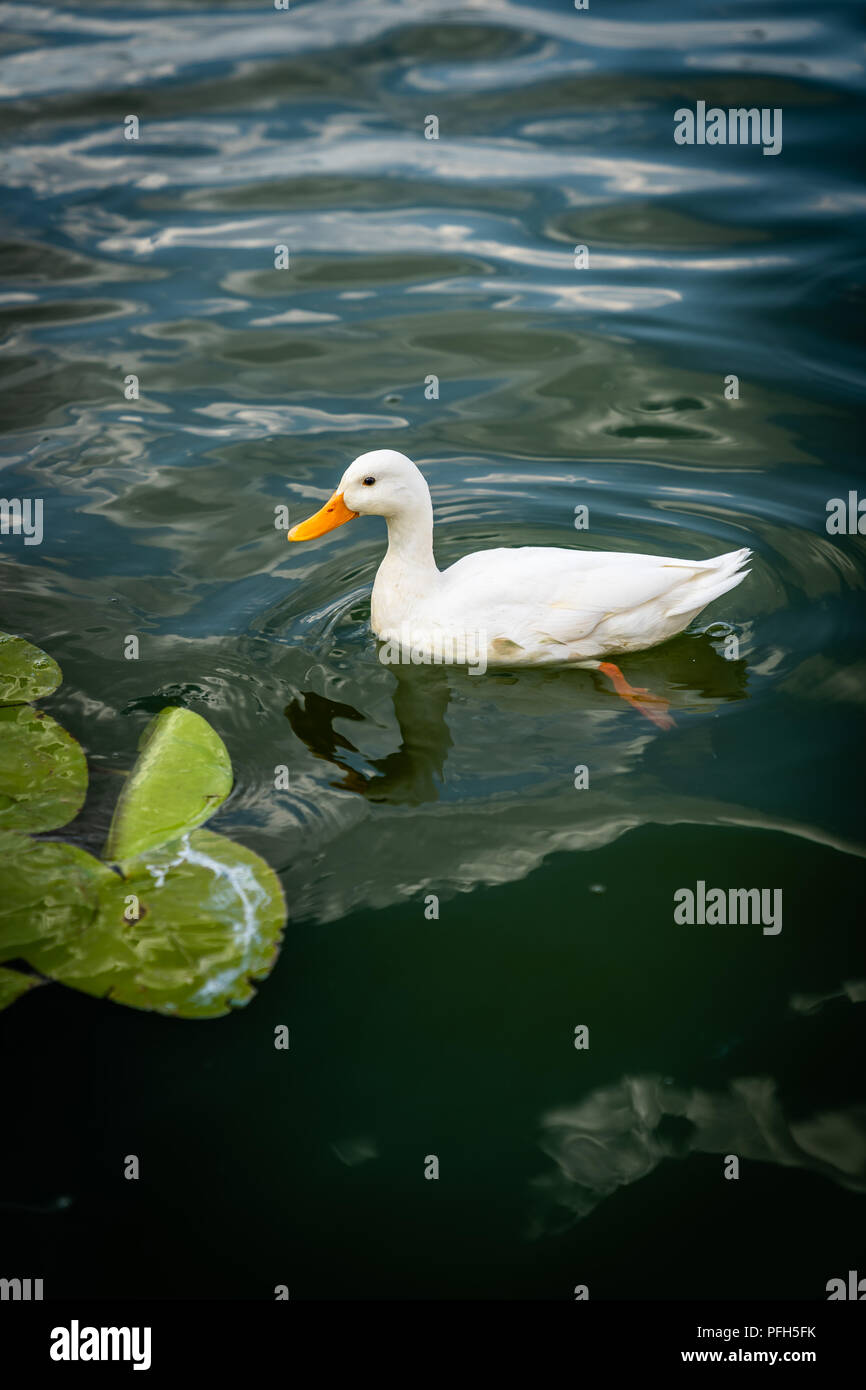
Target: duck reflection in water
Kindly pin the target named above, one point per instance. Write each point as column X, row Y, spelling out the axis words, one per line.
column 410, row 774
column 697, row 678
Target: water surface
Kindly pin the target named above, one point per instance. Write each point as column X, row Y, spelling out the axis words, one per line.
column 558, row 387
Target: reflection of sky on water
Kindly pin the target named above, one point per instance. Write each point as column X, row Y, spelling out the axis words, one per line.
column 621, row 1133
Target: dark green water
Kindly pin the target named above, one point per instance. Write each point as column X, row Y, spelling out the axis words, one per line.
column 558, row 387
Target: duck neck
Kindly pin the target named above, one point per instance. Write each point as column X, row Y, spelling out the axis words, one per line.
column 408, row 575
column 410, row 543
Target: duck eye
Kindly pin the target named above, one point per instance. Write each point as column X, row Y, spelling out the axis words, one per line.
column 368, row 482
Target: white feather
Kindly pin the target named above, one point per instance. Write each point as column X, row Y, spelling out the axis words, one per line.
column 532, row 606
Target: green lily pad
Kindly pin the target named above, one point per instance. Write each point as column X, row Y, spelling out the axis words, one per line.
column 26, row 672
column 49, row 892
column 14, row 983
column 182, row 775
column 43, row 771
column 185, row 933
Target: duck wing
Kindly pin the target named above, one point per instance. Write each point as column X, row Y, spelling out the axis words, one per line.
column 608, row 600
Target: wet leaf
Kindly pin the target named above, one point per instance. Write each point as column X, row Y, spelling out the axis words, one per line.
column 43, row 771
column 14, row 983
column 49, row 892
column 26, row 672
column 182, row 775
column 209, row 915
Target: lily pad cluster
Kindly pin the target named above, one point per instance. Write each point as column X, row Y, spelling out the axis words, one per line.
column 172, row 917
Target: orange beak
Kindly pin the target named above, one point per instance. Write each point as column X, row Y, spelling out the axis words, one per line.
column 333, row 514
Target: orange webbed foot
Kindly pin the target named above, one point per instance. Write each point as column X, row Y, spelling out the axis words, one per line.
column 652, row 707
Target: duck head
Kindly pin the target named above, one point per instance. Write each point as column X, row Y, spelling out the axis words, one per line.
column 381, row 483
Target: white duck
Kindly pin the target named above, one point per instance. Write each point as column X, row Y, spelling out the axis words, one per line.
column 532, row 606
